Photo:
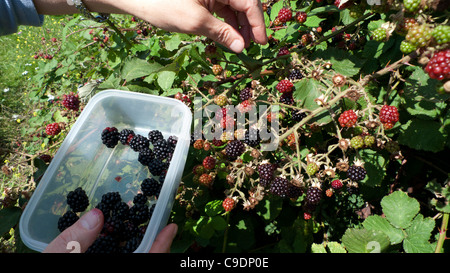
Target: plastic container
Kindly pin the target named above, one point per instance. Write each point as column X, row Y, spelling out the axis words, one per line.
column 82, row 160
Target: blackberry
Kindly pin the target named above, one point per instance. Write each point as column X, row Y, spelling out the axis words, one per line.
column 150, row 211
column 441, row 34
column 132, row 244
column 313, row 195
column 265, row 171
column 145, row 156
column 106, row 210
column 130, row 230
column 157, row 167
column 279, row 186
column 406, row 47
column 246, row 94
column 287, row 98
column 264, row 182
column 252, row 138
column 155, row 135
column 139, row 143
column 356, row 173
column 139, row 214
column 69, row 218
column 140, row 198
column 419, row 35
column 172, row 140
column 110, row 200
column 162, row 149
column 125, row 136
column 295, row 74
column 110, row 137
column 121, row 210
column 77, row 200
column 298, row 115
column 104, row 244
column 234, row 149
column 113, row 226
column 293, row 191
column 151, row 187
column 411, row 5
column 379, row 34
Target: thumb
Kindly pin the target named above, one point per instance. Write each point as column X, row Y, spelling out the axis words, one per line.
column 80, row 235
column 224, row 34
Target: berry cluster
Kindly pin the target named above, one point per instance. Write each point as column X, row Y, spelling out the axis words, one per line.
column 389, row 116
column 52, row 129
column 154, row 151
column 439, row 65
column 71, row 102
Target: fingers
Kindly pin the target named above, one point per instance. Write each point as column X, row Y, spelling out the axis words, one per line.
column 80, row 235
column 254, row 15
column 164, row 239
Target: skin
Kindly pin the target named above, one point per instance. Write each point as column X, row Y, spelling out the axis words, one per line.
column 86, row 229
column 243, row 20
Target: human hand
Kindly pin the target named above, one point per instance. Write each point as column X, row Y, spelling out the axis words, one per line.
column 86, row 229
column 243, row 19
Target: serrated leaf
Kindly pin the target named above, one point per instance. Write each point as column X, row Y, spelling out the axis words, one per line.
column 136, row 68
column 422, row 135
column 318, row 248
column 375, row 165
column 305, row 93
column 165, row 79
column 195, row 55
column 400, row 209
column 343, row 62
column 376, row 222
column 365, row 241
column 336, row 247
column 313, row 21
column 418, row 235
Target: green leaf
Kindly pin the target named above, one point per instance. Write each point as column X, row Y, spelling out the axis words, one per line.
column 418, row 235
column 375, row 165
column 318, row 248
column 270, row 208
column 376, row 222
column 212, row 208
column 422, row 135
column 336, row 247
column 165, row 79
column 195, row 55
column 137, row 68
column 218, row 222
column 313, row 21
column 9, row 217
column 400, row 209
column 58, row 117
column 365, row 241
column 343, row 62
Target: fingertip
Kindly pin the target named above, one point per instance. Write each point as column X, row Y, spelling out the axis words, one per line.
column 237, row 46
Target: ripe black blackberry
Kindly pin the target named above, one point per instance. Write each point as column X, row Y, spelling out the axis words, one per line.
column 121, row 210
column 104, row 244
column 172, row 140
column 139, row 214
column 298, row 115
column 295, row 75
column 265, row 171
column 157, row 167
column 293, row 191
column 252, row 138
column 77, row 200
column 246, row 93
column 356, row 173
column 151, row 187
column 234, row 149
column 69, row 218
column 313, row 195
column 125, row 136
column 110, row 199
column 162, row 149
column 106, row 210
column 145, row 156
column 114, row 227
column 287, row 98
column 279, row 186
column 264, row 182
column 139, row 143
column 132, row 244
column 155, row 135
column 110, row 137
column 140, row 198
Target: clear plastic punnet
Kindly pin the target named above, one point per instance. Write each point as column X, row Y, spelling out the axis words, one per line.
column 84, row 161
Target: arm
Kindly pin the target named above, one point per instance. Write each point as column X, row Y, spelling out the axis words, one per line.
column 243, row 19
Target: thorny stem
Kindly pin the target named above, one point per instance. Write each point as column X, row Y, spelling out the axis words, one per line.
column 442, row 233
